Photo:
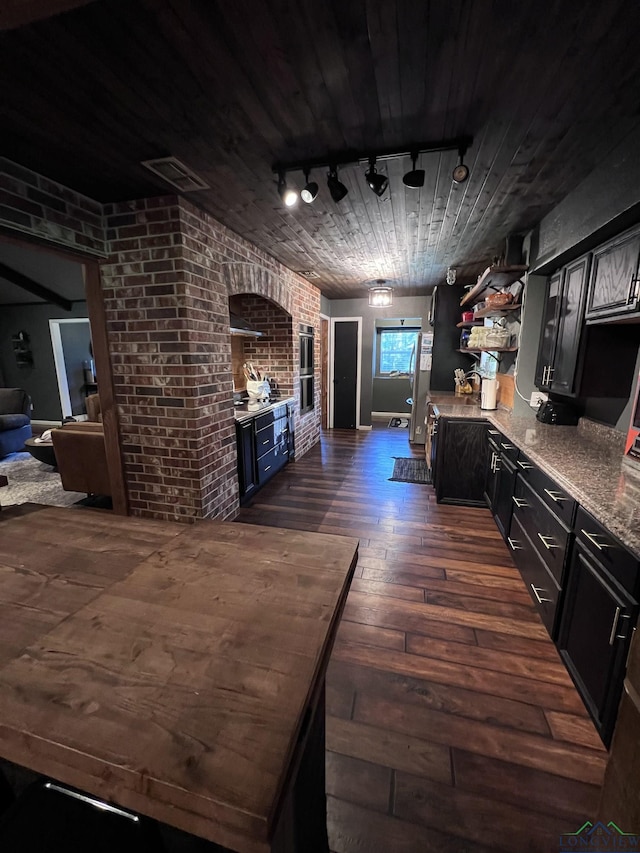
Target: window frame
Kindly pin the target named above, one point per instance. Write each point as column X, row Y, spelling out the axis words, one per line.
column 393, row 330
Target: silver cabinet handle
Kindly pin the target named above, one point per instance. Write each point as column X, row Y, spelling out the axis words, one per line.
column 556, row 496
column 592, row 538
column 551, row 370
column 535, row 592
column 544, row 375
column 514, row 544
column 547, row 541
column 507, row 446
column 493, row 432
column 519, row 502
column 268, row 468
column 496, row 465
column 634, row 286
column 614, row 626
column 524, row 465
column 266, row 442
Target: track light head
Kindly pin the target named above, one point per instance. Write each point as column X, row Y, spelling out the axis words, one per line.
column 461, row 172
column 414, row 178
column 288, row 195
column 310, row 191
column 336, row 188
column 377, row 182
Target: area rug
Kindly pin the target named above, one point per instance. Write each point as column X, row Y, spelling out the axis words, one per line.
column 403, row 423
column 410, row 470
column 31, row 481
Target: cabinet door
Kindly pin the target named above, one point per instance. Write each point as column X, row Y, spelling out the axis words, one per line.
column 549, row 332
column 493, row 470
column 461, row 462
column 614, row 287
column 247, row 474
column 504, row 496
column 569, row 326
column 595, row 631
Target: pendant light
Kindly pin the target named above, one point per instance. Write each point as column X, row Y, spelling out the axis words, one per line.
column 381, row 296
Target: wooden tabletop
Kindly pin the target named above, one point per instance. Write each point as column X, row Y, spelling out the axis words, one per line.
column 165, row 667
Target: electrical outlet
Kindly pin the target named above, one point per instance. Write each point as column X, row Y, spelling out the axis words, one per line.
column 418, row 430
column 537, row 399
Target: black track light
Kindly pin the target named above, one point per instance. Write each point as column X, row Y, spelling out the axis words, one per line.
column 288, row 195
column 414, row 178
column 376, row 181
column 336, row 188
column 461, row 172
column 310, row 191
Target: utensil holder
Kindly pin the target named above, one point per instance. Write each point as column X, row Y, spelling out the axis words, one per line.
column 258, row 390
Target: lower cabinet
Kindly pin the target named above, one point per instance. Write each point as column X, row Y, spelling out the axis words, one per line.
column 598, row 618
column 460, row 466
column 501, row 478
column 265, row 444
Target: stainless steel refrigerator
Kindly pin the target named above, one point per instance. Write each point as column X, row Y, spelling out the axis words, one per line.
column 421, row 364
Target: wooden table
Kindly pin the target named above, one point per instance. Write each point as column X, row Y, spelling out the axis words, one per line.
column 42, row 451
column 175, row 670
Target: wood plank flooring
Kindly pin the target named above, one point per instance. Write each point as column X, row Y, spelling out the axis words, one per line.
column 453, row 726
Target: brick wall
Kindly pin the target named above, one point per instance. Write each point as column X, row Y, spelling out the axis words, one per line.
column 167, row 277
column 34, row 205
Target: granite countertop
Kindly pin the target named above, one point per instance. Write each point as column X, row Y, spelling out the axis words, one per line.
column 247, row 410
column 585, row 460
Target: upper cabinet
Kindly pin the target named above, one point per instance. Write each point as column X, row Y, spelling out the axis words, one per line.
column 614, row 288
column 558, row 355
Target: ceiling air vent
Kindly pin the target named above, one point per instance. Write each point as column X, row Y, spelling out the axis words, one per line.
column 176, row 173
column 309, row 274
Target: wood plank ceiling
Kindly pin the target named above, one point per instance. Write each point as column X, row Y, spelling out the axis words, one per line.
column 232, row 88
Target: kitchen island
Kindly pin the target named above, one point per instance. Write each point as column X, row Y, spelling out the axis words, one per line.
column 175, row 670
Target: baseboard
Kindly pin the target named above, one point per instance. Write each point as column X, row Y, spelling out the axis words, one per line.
column 388, row 415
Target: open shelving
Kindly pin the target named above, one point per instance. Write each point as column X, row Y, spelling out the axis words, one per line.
column 492, row 280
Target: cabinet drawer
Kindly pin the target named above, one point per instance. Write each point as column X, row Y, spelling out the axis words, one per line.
column 270, row 463
column 548, row 534
column 607, row 550
column 557, row 499
column 265, row 440
column 264, row 420
column 502, row 444
column 542, row 587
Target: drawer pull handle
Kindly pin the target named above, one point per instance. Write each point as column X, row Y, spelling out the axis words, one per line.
column 614, row 626
column 268, row 468
column 514, row 544
column 547, row 541
column 493, row 432
column 592, row 538
column 266, row 442
column 556, row 496
column 519, row 502
column 525, row 465
column 507, row 446
column 535, row 592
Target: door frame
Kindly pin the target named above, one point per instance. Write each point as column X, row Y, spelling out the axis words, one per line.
column 325, row 325
column 332, row 347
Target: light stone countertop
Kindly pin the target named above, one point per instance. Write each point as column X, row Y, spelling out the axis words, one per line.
column 249, row 410
column 585, row 460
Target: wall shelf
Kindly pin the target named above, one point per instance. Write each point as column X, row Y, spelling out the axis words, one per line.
column 469, row 325
column 493, row 279
column 489, row 349
column 496, row 312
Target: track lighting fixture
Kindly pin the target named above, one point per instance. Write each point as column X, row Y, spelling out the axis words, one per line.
column 414, row 178
column 377, row 182
column 288, row 195
column 310, row 191
column 461, row 172
column 336, row 188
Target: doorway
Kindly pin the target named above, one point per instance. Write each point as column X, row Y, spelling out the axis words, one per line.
column 346, row 348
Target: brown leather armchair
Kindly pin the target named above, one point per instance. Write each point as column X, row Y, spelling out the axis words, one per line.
column 81, row 457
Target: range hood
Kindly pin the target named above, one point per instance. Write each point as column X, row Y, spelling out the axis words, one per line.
column 239, row 326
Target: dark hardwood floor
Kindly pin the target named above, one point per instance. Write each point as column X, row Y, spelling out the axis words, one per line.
column 453, row 726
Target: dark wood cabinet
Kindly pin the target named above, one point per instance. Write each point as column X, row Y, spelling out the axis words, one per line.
column 461, row 454
column 500, row 481
column 614, row 287
column 247, row 473
column 561, row 338
column 597, row 622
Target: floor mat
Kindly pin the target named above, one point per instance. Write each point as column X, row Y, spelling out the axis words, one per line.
column 410, row 470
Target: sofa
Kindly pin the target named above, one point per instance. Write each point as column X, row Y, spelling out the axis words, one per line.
column 15, row 420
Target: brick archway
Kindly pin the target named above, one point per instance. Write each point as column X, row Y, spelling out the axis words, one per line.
column 242, row 277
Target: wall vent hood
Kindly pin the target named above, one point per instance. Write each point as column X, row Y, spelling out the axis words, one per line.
column 239, row 326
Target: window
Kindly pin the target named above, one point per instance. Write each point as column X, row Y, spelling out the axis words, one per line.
column 306, row 368
column 396, row 350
